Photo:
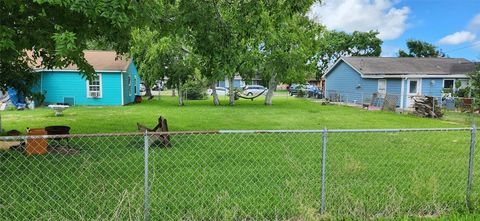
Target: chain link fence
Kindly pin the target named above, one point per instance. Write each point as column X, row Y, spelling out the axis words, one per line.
column 253, row 175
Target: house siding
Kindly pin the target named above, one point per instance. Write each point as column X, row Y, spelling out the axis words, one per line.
column 345, row 80
column 432, row 86
column 61, row 84
column 236, row 83
column 394, row 87
column 132, row 72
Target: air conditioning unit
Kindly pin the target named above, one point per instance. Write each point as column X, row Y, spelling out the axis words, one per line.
column 95, row 94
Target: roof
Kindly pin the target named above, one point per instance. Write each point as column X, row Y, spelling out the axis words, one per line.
column 389, row 66
column 100, row 61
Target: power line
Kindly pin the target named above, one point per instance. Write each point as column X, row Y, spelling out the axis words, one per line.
column 465, row 47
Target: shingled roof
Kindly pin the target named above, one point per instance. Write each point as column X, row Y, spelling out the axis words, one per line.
column 409, row 66
column 100, row 61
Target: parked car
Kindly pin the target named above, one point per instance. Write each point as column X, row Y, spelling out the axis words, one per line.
column 251, row 90
column 142, row 87
column 221, row 91
column 294, row 88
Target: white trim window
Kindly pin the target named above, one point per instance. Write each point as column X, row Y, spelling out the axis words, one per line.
column 449, row 83
column 129, row 80
column 94, row 87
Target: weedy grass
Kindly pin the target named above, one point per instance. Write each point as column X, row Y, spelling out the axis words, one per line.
column 286, row 113
column 408, row 175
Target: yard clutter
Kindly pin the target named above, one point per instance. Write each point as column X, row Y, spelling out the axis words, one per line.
column 426, row 106
column 58, row 108
column 36, row 145
column 162, row 139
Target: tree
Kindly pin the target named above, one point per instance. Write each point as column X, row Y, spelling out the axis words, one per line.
column 334, row 45
column 57, row 32
column 170, row 57
column 148, row 68
column 420, row 49
column 285, row 42
column 475, row 84
column 221, row 38
column 200, row 20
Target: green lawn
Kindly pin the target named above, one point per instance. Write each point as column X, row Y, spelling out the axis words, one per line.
column 286, row 113
column 240, row 176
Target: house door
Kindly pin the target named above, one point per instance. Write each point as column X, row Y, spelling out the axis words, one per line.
column 413, row 89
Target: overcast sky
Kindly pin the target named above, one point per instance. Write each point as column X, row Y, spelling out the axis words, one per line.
column 452, row 25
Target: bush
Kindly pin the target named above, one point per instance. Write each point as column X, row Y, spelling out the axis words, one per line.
column 195, row 90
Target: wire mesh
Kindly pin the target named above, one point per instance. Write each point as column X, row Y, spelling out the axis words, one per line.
column 397, row 173
column 78, row 178
column 240, row 175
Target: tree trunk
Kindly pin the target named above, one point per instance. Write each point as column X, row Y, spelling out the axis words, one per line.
column 180, row 95
column 231, row 91
column 272, row 84
column 173, row 92
column 148, row 93
column 216, row 102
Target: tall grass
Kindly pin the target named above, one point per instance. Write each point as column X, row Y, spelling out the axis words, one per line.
column 243, row 177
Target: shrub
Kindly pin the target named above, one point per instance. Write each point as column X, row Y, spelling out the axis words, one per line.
column 195, row 90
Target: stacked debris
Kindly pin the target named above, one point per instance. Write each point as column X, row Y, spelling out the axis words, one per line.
column 426, row 106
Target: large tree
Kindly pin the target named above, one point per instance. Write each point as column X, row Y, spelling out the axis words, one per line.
column 286, row 42
column 334, row 45
column 223, row 32
column 420, row 49
column 149, row 68
column 57, row 32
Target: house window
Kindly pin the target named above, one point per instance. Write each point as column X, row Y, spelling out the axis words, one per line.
column 382, row 86
column 94, row 87
column 129, row 86
column 450, row 83
column 135, row 86
column 413, row 87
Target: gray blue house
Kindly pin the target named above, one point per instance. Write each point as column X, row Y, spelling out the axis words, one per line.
column 117, row 82
column 357, row 78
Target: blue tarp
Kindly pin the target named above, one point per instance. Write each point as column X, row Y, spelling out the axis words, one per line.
column 16, row 98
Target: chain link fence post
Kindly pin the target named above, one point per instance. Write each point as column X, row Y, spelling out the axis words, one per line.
column 470, row 167
column 146, row 189
column 324, row 154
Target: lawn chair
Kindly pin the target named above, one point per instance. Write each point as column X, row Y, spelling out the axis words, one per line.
column 162, row 126
column 370, row 102
column 467, row 105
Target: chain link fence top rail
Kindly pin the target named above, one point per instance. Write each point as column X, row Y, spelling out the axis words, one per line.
column 255, row 175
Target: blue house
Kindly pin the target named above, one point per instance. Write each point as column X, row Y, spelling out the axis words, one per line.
column 355, row 79
column 238, row 82
column 117, row 82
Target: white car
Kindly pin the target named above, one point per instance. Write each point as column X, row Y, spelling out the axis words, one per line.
column 221, row 91
column 251, row 90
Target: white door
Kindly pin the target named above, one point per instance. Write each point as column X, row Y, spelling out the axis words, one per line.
column 382, row 86
column 413, row 89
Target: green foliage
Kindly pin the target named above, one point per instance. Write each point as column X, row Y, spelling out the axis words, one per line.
column 57, row 31
column 335, row 44
column 475, row 84
column 195, row 90
column 421, row 49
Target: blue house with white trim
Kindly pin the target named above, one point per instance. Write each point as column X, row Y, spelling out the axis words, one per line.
column 357, row 78
column 117, row 82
